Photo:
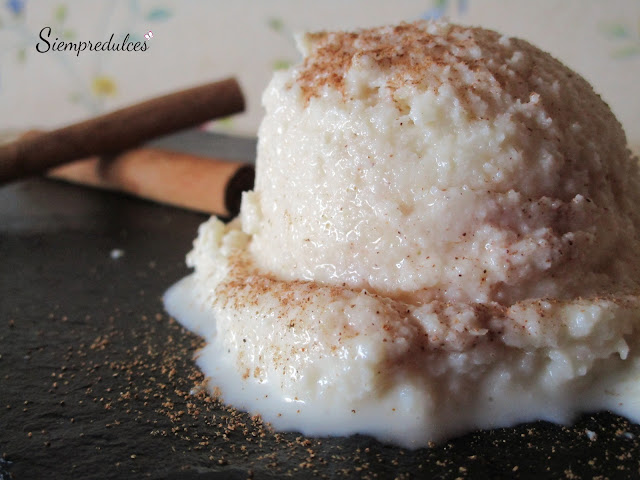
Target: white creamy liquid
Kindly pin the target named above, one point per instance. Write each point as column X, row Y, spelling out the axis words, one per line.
column 501, row 404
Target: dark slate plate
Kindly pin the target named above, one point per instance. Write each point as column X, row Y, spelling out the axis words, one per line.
column 95, row 378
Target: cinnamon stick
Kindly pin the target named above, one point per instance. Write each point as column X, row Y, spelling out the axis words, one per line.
column 119, row 130
column 207, row 185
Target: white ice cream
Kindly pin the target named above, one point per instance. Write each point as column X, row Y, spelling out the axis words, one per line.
column 443, row 235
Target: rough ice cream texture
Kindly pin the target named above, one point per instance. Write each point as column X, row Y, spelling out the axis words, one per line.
column 443, row 235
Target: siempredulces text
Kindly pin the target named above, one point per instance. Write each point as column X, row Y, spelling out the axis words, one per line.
column 47, row 45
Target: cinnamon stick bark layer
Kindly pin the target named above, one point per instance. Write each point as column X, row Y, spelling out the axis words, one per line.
column 189, row 181
column 120, row 130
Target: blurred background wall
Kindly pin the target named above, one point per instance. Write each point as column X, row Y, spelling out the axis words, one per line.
column 196, row 41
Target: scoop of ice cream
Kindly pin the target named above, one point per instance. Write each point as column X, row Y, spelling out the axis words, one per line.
column 443, row 235
column 432, row 161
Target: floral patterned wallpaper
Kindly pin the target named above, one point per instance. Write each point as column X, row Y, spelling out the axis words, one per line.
column 193, row 42
column 88, row 91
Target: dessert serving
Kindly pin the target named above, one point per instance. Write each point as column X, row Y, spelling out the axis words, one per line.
column 443, row 236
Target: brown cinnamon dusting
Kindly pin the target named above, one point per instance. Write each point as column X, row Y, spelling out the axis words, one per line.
column 470, row 60
column 406, row 51
column 246, row 287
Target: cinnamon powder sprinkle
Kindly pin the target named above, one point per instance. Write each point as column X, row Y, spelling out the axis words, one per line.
column 426, row 55
column 406, row 51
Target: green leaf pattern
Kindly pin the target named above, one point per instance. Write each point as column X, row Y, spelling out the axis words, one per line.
column 277, row 25
column 60, row 13
column 624, row 37
column 158, row 14
column 280, row 64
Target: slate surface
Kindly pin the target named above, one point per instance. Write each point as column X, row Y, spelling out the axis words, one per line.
column 95, row 378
